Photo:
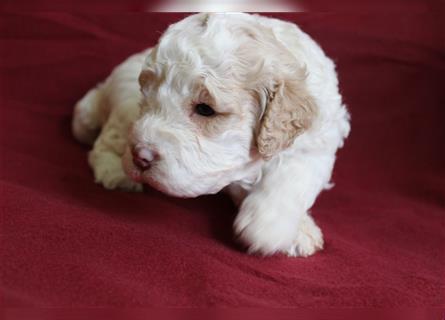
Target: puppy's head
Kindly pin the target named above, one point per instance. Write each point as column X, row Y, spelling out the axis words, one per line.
column 221, row 94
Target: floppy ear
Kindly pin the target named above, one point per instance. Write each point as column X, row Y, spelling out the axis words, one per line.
column 289, row 111
column 146, row 76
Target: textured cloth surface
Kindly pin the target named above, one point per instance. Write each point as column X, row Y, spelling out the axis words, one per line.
column 66, row 241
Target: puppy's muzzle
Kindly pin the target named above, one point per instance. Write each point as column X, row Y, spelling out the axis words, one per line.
column 143, row 157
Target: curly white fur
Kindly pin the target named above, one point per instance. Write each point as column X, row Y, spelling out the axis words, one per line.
column 238, row 64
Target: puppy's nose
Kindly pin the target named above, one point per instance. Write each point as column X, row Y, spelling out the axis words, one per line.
column 143, row 157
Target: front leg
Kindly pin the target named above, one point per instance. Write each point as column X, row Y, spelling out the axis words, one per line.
column 274, row 217
column 106, row 157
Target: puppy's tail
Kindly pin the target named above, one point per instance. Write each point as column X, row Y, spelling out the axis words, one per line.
column 86, row 120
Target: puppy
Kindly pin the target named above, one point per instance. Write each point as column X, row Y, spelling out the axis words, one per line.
column 238, row 102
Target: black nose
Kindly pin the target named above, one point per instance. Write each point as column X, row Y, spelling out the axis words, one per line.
column 143, row 157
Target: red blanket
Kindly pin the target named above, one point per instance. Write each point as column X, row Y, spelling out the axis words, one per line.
column 66, row 241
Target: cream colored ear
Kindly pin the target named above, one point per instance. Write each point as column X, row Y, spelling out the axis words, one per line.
column 289, row 112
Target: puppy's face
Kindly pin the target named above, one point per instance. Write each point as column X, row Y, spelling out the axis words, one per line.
column 206, row 96
column 197, row 141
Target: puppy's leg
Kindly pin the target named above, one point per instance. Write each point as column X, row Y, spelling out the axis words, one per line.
column 106, row 157
column 86, row 120
column 274, row 216
column 309, row 238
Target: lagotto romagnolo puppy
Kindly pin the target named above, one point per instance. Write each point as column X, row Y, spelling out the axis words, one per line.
column 238, row 102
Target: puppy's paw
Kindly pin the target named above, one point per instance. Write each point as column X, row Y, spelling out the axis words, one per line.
column 108, row 171
column 265, row 229
column 309, row 239
column 266, row 232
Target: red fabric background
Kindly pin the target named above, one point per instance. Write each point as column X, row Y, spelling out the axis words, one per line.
column 68, row 242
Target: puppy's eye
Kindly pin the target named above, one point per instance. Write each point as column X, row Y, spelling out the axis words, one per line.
column 204, row 110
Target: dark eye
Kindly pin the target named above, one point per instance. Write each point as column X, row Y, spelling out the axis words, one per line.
column 204, row 110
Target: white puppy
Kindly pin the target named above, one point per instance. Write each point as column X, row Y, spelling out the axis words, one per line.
column 235, row 101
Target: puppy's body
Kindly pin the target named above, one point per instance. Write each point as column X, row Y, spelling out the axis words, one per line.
column 271, row 144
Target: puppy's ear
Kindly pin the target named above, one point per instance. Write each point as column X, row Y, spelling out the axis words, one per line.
column 148, row 75
column 145, row 77
column 289, row 111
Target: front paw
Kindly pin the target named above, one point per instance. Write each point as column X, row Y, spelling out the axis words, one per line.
column 271, row 231
column 108, row 171
column 309, row 239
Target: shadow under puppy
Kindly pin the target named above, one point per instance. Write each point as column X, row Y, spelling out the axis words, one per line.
column 238, row 102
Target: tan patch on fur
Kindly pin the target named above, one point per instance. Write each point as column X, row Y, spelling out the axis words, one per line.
column 206, row 126
column 229, row 114
column 269, row 66
column 148, row 77
column 288, row 114
column 145, row 77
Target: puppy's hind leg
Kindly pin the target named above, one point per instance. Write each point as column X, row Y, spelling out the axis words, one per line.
column 86, row 121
